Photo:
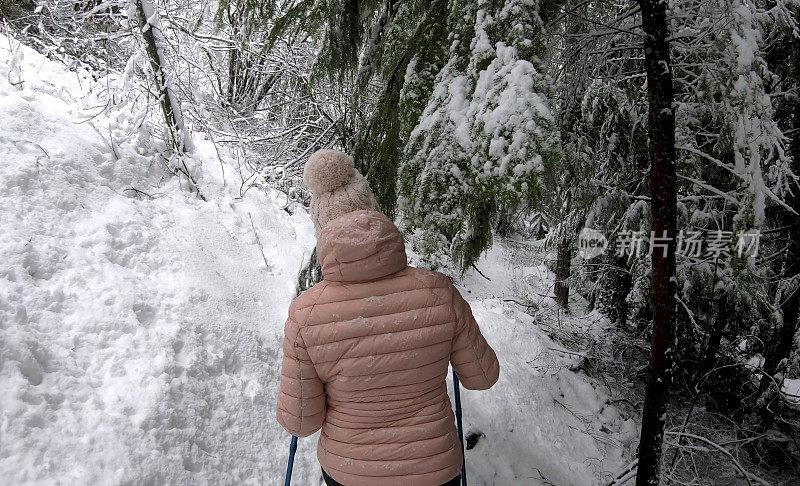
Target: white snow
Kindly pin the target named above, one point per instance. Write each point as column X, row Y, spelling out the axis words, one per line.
column 140, row 335
column 791, row 389
column 540, row 417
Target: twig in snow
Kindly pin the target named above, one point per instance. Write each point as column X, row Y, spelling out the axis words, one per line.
column 482, row 275
column 747, row 476
column 570, row 411
column 139, row 191
column 568, row 352
column 626, row 474
column 16, row 141
column 260, row 246
column 543, row 478
column 530, row 306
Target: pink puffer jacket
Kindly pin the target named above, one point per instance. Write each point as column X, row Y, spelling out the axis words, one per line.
column 366, row 354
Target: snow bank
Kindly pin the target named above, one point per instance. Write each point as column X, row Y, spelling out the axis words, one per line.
column 139, row 336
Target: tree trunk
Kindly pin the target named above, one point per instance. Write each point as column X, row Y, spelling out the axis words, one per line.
column 151, row 33
column 716, row 327
column 563, row 261
column 664, row 211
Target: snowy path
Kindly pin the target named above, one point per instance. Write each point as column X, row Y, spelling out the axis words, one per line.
column 140, row 337
column 543, row 423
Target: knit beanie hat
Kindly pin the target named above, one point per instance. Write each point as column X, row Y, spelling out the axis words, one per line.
column 337, row 188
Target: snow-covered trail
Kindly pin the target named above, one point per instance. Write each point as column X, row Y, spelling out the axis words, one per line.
column 140, row 335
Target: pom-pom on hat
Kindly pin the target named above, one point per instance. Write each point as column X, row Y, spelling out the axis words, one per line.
column 337, row 188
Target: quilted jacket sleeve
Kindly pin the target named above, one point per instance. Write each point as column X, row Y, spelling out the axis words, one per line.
column 301, row 399
column 473, row 359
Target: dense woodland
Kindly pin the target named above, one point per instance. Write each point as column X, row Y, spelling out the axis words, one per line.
column 526, row 120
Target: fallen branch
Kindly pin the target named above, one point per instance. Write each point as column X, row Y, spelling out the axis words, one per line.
column 258, row 241
column 482, row 275
column 626, row 474
column 747, row 476
column 139, row 191
column 530, row 306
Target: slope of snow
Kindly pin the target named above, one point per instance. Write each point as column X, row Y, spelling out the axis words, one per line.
column 139, row 337
column 141, row 327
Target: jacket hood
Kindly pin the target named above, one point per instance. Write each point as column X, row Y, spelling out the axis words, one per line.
column 360, row 245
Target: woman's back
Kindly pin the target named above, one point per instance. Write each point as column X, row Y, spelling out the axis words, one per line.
column 366, row 355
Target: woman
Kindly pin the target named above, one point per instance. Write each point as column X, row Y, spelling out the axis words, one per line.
column 366, row 351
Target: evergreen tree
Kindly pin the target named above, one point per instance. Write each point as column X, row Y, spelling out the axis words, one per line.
column 732, row 161
column 381, row 50
column 486, row 134
column 782, row 55
column 414, row 65
column 601, row 180
column 405, row 52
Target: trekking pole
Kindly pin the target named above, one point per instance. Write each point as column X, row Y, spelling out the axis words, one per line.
column 292, row 450
column 457, row 392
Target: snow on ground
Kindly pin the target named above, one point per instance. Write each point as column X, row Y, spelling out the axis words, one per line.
column 791, row 388
column 543, row 424
column 140, row 335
